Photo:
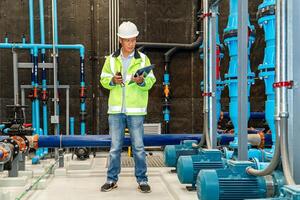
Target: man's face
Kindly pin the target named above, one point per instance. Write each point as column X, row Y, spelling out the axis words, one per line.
column 128, row 45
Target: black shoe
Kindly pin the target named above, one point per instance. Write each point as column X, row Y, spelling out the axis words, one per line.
column 144, row 188
column 108, row 187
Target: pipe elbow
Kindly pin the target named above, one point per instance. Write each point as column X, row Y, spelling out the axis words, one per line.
column 82, row 50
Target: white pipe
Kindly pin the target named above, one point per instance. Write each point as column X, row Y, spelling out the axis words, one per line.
column 109, row 25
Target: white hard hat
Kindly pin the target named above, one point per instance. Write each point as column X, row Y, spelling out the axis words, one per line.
column 127, row 30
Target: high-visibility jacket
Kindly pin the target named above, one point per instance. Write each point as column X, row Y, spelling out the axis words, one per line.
column 136, row 96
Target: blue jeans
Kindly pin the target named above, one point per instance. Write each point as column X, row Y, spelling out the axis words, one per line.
column 117, row 124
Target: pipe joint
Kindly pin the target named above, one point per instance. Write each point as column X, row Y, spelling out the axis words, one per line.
column 83, row 115
column 44, row 96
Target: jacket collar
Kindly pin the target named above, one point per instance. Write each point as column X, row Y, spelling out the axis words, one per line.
column 118, row 52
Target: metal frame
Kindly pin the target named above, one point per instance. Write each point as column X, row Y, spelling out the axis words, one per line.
column 66, row 87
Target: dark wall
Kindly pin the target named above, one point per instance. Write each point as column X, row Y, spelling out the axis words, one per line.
column 86, row 22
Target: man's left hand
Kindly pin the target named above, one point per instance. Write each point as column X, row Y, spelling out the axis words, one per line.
column 138, row 80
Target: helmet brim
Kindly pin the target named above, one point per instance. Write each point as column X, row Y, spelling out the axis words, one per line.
column 128, row 36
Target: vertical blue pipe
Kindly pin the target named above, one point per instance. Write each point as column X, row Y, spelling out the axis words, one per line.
column 267, row 69
column 55, row 21
column 31, row 35
column 31, row 22
column 44, row 72
column 72, row 127
column 82, row 98
column 231, row 40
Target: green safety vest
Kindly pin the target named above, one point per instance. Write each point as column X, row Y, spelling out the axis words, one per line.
column 136, row 96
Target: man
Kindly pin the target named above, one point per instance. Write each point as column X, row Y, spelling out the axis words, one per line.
column 127, row 105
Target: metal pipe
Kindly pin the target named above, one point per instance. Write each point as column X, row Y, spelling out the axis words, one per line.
column 118, row 23
column 16, row 79
column 276, row 157
column 284, row 153
column 155, row 45
column 242, row 79
column 206, row 71
column 23, row 104
column 284, row 113
column 212, row 77
column 109, row 27
column 55, row 117
column 68, row 111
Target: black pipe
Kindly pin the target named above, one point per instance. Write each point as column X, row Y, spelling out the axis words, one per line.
column 180, row 46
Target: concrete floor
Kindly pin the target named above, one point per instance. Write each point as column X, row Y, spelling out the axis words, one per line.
column 82, row 180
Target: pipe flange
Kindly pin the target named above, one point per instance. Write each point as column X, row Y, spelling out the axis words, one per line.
column 234, row 33
column 22, row 142
column 6, row 152
column 33, row 141
column 15, row 149
column 266, row 11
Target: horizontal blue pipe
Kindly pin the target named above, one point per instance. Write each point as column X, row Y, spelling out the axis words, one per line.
column 79, row 47
column 149, row 140
column 253, row 115
column 105, row 140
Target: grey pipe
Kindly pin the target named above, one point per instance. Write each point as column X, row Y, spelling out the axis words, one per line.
column 276, row 157
column 16, row 80
column 284, row 154
column 157, row 45
column 275, row 160
column 284, row 114
column 214, row 3
column 206, row 71
column 212, row 77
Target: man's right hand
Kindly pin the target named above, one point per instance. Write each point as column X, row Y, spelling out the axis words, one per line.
column 117, row 79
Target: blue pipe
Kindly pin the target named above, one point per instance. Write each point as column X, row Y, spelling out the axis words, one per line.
column 45, row 124
column 55, row 22
column 149, row 140
column 36, row 100
column 72, row 126
column 166, row 110
column 267, row 69
column 82, row 98
column 44, row 72
column 42, row 24
column 31, row 22
column 253, row 115
column 79, row 47
column 105, row 140
column 231, row 40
